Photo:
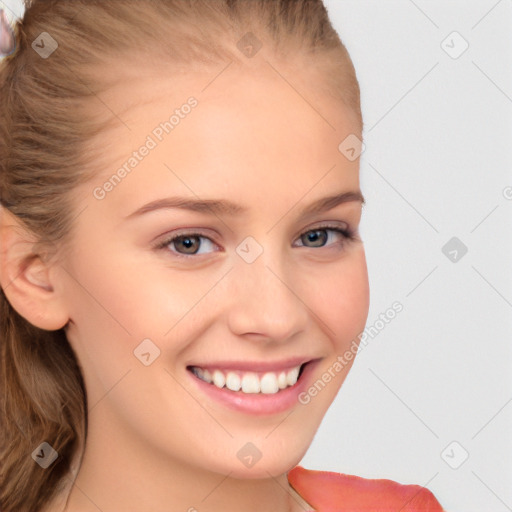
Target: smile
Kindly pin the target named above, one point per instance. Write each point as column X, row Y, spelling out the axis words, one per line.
column 249, row 382
column 254, row 388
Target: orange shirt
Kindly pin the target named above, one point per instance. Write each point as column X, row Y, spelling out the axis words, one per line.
column 327, row 491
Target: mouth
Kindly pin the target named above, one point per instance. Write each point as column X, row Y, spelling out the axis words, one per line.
column 250, row 382
column 257, row 388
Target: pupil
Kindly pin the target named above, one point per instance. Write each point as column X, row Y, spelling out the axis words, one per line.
column 313, row 236
column 188, row 242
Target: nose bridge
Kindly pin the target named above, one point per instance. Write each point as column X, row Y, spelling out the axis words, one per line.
column 265, row 302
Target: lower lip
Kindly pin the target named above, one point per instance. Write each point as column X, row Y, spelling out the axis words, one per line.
column 258, row 403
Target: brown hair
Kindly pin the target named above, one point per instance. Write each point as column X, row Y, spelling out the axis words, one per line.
column 43, row 156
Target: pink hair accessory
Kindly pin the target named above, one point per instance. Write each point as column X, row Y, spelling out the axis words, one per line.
column 7, row 37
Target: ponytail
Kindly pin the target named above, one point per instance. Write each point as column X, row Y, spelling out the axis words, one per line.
column 42, row 401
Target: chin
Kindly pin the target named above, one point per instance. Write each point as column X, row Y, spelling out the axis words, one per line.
column 260, row 470
column 269, row 460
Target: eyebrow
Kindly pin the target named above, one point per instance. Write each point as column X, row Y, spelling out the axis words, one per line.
column 225, row 207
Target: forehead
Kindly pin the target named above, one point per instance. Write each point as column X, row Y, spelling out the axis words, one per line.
column 258, row 124
column 285, row 90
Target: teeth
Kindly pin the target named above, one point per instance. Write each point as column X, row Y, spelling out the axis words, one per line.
column 233, row 381
column 219, row 379
column 269, row 383
column 281, row 380
column 249, row 382
column 198, row 372
column 292, row 376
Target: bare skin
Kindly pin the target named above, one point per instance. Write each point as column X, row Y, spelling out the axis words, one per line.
column 155, row 441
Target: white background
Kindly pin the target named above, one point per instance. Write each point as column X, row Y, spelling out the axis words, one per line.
column 438, row 134
column 437, row 164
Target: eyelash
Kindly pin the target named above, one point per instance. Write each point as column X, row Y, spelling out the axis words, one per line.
column 348, row 236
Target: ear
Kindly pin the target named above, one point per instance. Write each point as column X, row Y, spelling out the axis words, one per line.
column 26, row 277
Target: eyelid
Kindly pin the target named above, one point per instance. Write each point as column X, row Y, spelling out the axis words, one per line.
column 325, row 224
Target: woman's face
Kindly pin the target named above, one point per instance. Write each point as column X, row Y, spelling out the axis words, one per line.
column 252, row 293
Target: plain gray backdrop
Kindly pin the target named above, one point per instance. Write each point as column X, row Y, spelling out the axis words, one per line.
column 429, row 398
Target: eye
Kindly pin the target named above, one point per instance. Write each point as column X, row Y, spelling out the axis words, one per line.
column 188, row 242
column 320, row 235
column 187, row 245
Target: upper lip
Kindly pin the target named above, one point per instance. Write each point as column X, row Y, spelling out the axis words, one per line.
column 258, row 366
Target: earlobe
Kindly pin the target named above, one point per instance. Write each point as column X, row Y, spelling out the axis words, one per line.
column 26, row 278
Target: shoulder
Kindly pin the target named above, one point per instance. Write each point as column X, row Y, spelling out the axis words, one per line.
column 338, row 492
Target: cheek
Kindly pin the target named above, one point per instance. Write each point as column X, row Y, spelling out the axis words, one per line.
column 341, row 299
column 137, row 298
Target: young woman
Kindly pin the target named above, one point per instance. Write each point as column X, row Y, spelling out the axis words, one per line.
column 181, row 270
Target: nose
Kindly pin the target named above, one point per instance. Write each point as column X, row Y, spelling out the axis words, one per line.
column 264, row 306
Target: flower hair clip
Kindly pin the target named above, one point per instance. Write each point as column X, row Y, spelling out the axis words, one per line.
column 7, row 38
